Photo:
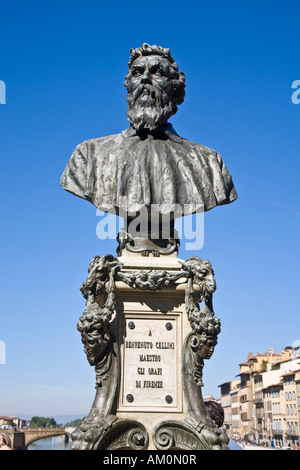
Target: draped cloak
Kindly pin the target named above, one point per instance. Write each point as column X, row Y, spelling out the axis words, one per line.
column 122, row 173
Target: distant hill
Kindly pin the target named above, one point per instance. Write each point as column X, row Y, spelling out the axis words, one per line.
column 64, row 419
column 60, row 419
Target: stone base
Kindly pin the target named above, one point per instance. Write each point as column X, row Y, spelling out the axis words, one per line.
column 151, row 329
column 147, row 337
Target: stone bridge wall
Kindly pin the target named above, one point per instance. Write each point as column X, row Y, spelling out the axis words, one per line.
column 21, row 440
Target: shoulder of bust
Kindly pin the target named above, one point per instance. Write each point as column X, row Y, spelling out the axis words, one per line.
column 100, row 140
column 199, row 147
column 86, row 145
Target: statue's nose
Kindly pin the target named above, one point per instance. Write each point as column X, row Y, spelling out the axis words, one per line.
column 146, row 77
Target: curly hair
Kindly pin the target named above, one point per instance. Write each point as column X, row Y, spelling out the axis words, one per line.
column 94, row 319
column 177, row 77
column 215, row 412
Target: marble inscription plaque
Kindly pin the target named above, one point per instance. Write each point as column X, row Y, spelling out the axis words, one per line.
column 150, row 362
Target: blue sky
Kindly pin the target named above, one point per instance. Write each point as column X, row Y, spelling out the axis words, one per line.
column 63, row 64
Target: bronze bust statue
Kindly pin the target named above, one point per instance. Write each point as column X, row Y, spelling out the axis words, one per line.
column 149, row 165
column 148, row 169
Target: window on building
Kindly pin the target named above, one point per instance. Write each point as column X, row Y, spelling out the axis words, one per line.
column 276, row 408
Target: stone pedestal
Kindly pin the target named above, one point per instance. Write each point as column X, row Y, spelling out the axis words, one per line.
column 151, row 329
column 147, row 337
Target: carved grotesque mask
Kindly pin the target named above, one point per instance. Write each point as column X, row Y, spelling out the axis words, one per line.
column 95, row 345
column 207, row 347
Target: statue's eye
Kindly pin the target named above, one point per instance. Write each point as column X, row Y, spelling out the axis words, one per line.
column 137, row 73
column 157, row 72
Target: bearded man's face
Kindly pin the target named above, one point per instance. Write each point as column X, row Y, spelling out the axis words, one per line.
column 150, row 88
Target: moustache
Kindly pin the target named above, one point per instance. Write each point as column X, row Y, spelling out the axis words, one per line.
column 150, row 94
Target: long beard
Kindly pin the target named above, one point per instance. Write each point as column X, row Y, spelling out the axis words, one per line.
column 149, row 108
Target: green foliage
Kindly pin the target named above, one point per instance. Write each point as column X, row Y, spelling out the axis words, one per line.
column 264, row 365
column 9, row 422
column 39, row 422
column 74, row 423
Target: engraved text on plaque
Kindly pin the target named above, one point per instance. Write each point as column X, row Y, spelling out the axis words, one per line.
column 150, row 362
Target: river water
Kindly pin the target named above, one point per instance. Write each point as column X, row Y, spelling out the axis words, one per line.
column 50, row 443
